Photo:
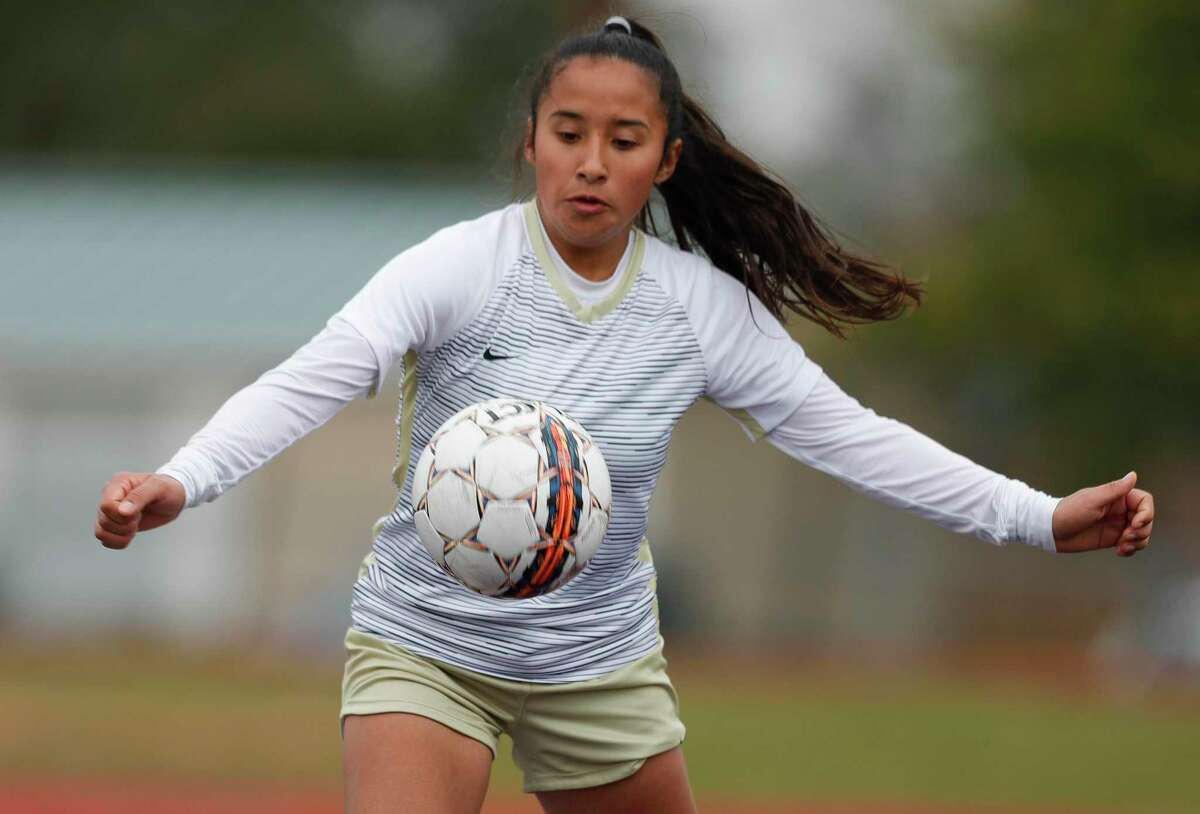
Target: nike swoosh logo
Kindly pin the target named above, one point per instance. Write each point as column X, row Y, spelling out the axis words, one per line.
column 491, row 357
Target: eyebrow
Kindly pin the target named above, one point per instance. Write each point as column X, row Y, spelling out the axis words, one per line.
column 571, row 114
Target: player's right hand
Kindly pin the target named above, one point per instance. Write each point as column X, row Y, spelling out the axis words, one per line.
column 136, row 501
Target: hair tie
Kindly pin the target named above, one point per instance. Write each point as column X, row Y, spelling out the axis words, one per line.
column 620, row 22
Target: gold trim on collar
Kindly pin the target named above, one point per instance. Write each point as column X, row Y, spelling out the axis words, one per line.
column 585, row 313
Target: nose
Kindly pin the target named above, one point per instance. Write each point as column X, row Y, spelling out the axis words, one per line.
column 592, row 168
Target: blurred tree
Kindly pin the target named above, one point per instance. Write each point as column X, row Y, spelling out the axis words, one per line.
column 417, row 81
column 1066, row 276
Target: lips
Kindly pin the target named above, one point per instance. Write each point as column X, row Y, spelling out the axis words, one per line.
column 588, row 199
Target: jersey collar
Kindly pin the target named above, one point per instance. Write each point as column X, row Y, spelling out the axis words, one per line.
column 592, row 311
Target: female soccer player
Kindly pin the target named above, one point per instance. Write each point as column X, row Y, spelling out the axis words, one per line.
column 567, row 298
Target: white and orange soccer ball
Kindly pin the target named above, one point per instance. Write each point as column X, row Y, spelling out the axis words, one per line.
column 511, row 497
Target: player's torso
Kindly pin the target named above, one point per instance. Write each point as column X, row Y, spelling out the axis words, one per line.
column 626, row 375
column 627, row 372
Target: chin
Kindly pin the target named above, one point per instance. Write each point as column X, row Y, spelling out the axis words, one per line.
column 590, row 237
column 588, row 232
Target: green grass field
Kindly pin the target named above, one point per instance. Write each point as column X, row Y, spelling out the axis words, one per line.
column 762, row 732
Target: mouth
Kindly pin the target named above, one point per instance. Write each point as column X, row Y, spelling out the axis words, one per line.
column 589, row 199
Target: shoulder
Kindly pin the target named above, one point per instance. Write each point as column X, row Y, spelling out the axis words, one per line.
column 755, row 370
column 711, row 297
column 427, row 292
column 681, row 274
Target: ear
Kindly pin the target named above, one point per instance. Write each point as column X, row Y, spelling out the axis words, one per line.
column 529, row 140
column 670, row 161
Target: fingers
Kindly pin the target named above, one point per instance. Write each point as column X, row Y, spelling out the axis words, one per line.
column 1140, row 511
column 1129, row 549
column 109, row 499
column 113, row 495
column 1112, row 515
column 1134, row 540
column 1129, row 541
column 114, row 527
column 1118, row 488
column 113, row 535
column 106, row 523
column 1141, row 504
column 1108, row 500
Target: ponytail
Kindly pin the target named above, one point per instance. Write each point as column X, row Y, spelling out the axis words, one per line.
column 747, row 222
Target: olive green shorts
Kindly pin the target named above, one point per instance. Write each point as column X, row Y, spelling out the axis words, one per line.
column 565, row 736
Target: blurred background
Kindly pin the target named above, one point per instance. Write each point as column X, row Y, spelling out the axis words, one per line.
column 188, row 190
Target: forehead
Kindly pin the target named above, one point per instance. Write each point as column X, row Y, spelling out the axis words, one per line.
column 603, row 87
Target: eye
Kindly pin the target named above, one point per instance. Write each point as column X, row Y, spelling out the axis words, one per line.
column 625, row 144
column 568, row 136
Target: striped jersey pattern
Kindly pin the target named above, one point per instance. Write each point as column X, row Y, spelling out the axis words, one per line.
column 627, row 376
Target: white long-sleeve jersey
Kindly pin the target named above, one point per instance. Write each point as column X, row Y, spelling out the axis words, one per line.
column 487, row 309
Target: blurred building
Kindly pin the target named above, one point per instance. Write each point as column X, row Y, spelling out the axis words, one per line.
column 137, row 299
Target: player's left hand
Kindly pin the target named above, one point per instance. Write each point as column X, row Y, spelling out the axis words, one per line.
column 1114, row 514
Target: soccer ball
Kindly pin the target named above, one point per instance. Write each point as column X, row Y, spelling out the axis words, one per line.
column 511, row 497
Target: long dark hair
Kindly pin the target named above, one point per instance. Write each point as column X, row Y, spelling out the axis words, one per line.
column 746, row 221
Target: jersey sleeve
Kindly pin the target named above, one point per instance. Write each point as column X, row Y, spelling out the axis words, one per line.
column 425, row 295
column 417, row 300
column 890, row 461
column 756, row 372
column 262, row 419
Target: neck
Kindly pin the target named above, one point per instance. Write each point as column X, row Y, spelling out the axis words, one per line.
column 595, row 263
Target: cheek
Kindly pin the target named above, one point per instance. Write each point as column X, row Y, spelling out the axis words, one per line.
column 641, row 173
column 551, row 162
